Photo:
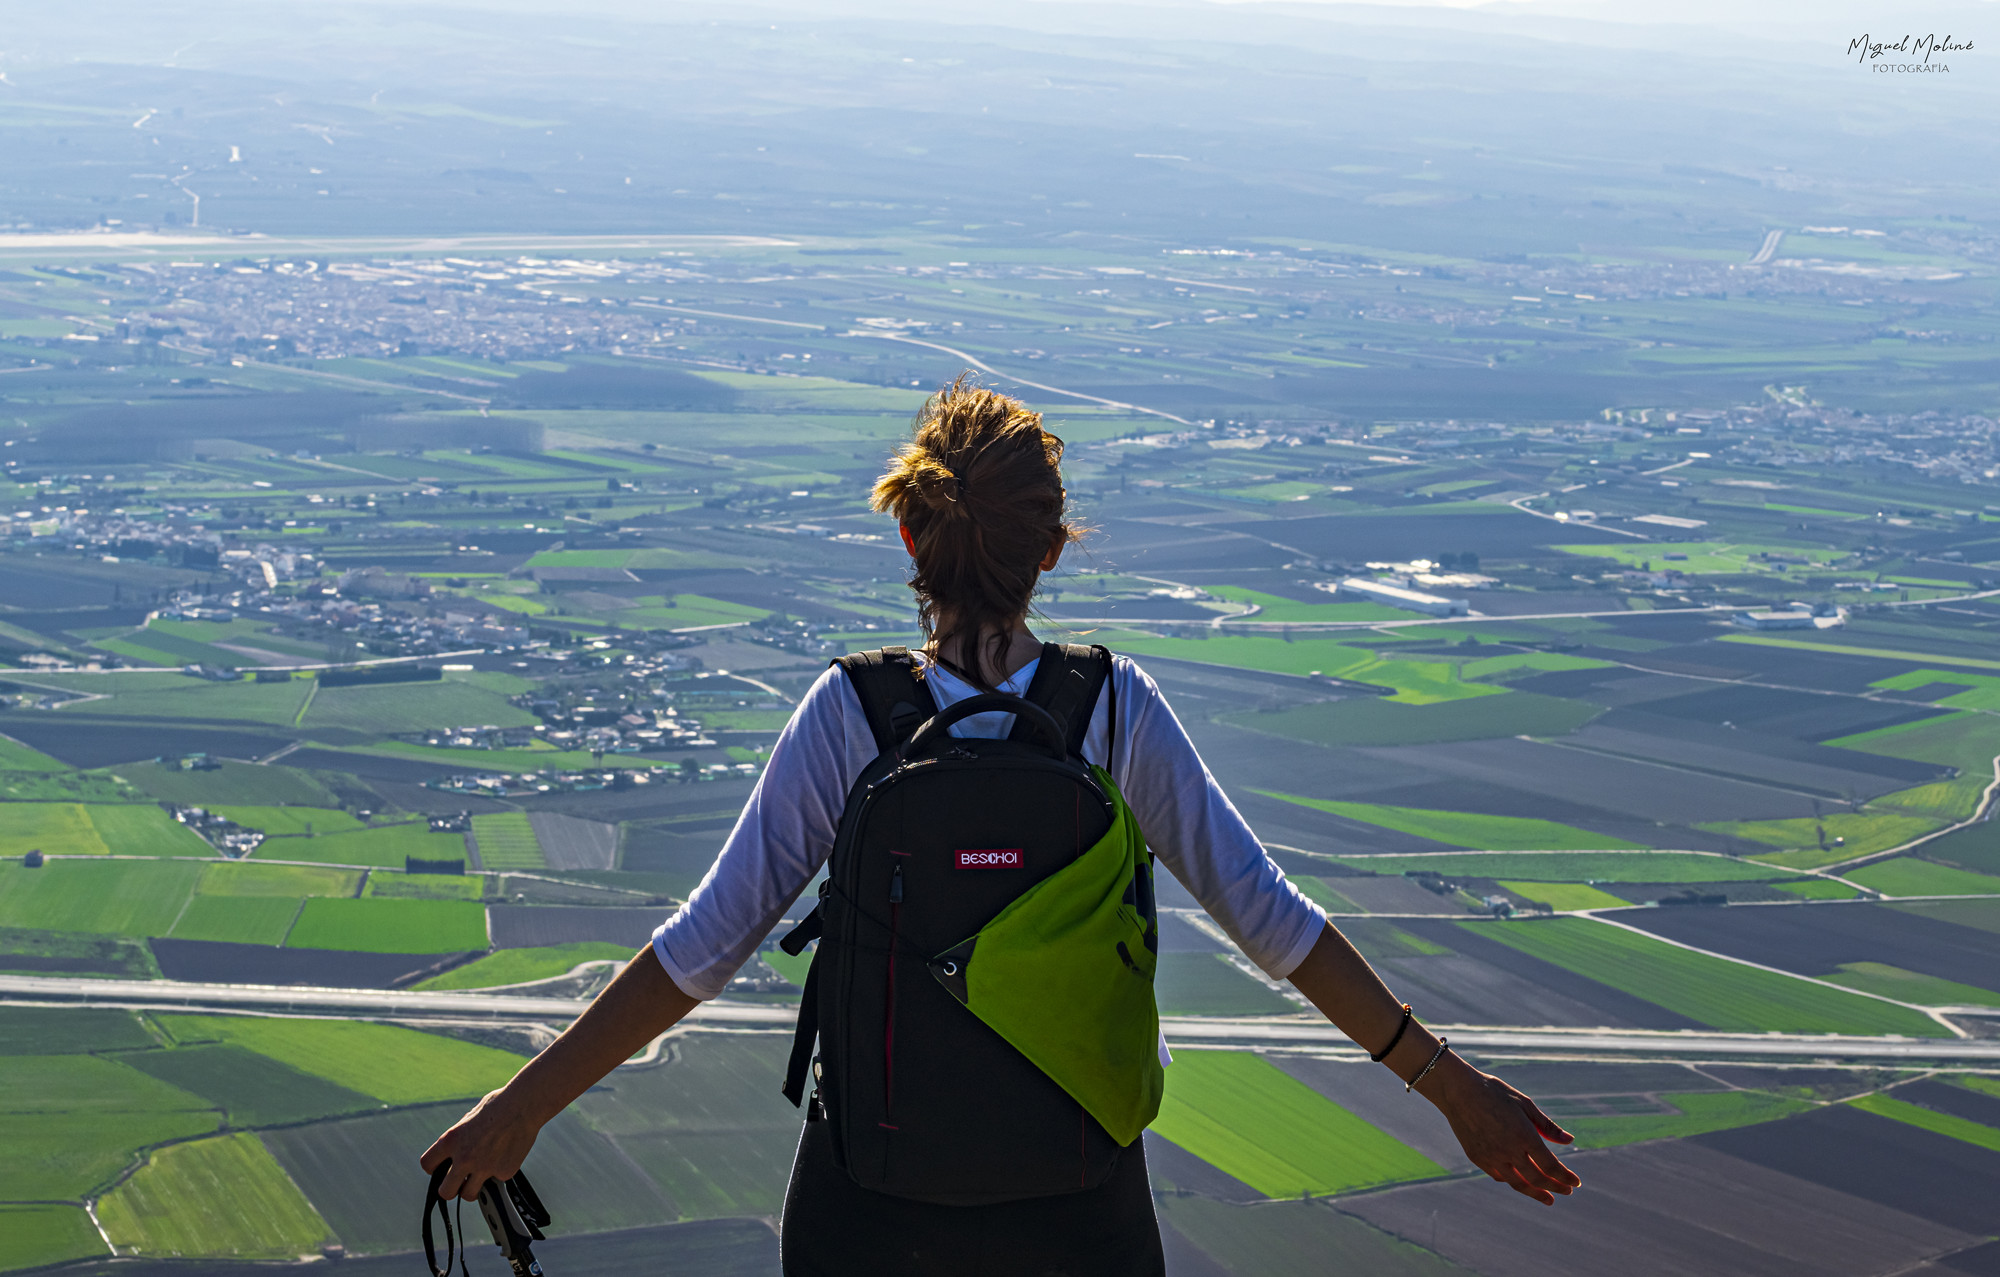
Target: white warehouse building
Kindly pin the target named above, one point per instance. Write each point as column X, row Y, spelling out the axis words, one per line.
column 1360, row 587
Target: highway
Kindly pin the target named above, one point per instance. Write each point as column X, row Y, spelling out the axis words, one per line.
column 1183, row 1031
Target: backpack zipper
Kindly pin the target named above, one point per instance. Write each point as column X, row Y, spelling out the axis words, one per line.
column 889, row 999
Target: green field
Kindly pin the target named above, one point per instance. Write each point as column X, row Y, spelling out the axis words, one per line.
column 238, row 919
column 1912, row 986
column 177, row 696
column 1908, row 876
column 56, row 1030
column 381, row 847
column 57, row 829
column 16, row 757
column 248, row 878
column 46, row 1234
column 220, row 1197
column 1974, row 847
column 1322, row 893
column 507, row 841
column 145, row 830
column 72, row 1122
column 253, row 1089
column 413, row 707
column 279, row 821
column 1242, row 1115
column 1862, row 833
column 379, row 925
column 1650, row 866
column 1206, row 984
column 519, row 966
column 390, row 885
column 1937, row 1123
column 115, row 897
column 1466, row 829
column 1817, row 889
column 251, row 784
column 1566, row 896
column 395, row 1065
column 1700, row 1112
column 1713, row 991
column 791, row 968
column 1416, row 682
column 1382, row 721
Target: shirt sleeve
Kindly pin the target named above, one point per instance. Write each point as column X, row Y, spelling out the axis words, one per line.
column 780, row 841
column 1197, row 832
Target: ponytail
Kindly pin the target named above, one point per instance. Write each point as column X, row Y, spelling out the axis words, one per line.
column 980, row 490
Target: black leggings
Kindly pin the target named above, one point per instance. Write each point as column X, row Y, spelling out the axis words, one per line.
column 833, row 1227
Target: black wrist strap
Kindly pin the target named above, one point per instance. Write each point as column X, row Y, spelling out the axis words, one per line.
column 1401, row 1029
column 452, row 1245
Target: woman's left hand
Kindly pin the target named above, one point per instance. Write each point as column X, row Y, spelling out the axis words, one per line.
column 1502, row 1131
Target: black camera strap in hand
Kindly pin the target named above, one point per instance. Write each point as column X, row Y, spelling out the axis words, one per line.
column 502, row 1202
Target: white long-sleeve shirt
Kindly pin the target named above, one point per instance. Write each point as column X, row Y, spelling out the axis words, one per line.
column 787, row 828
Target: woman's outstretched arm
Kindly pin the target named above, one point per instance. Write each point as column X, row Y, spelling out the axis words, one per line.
column 492, row 1140
column 1501, row 1130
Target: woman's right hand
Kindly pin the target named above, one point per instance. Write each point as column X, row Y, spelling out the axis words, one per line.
column 489, row 1142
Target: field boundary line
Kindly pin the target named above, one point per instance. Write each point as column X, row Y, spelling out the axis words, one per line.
column 298, row 719
column 1953, row 1029
column 1054, row 390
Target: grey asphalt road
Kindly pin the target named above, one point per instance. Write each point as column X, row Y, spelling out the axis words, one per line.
column 1180, row 1031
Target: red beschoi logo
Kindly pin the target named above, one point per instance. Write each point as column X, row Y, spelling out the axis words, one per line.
column 992, row 858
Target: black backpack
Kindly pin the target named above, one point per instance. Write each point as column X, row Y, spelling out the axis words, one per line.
column 941, row 834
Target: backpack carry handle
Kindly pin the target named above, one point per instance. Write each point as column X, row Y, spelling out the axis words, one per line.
column 986, row 703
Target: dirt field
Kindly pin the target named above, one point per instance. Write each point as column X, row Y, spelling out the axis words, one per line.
column 572, row 843
column 1671, row 1207
column 1814, row 939
column 531, row 926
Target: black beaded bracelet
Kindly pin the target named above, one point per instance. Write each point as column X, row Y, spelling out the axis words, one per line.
column 1401, row 1029
column 1444, row 1044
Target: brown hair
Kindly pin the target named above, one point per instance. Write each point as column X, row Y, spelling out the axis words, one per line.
column 980, row 490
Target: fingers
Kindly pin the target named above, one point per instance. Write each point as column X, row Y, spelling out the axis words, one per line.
column 1545, row 1124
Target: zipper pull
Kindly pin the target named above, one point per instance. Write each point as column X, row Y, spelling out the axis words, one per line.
column 896, row 886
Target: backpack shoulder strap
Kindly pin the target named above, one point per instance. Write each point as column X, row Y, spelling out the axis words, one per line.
column 894, row 698
column 1066, row 684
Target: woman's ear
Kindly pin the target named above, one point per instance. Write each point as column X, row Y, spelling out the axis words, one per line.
column 1054, row 556
column 909, row 542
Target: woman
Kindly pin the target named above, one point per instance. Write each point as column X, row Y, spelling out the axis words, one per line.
column 979, row 499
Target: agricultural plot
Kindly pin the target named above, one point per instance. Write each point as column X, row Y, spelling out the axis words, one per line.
column 1825, row 940
column 68, row 1031
column 378, row 925
column 1378, row 721
column 1689, row 1113
column 258, row 786
column 520, row 966
column 1466, row 829
column 237, row 919
column 283, row 821
column 382, row 847
column 389, row 884
column 1926, row 1118
column 1811, row 842
column 1206, row 984
column 190, row 700
column 115, row 897
column 1237, row 1112
column 1699, row 1210
column 506, row 840
column 16, row 757
column 249, row 878
column 1650, row 867
column 1909, row 876
column 1470, row 979
column 217, row 1197
column 224, row 962
column 540, row 926
column 568, row 842
column 39, row 1234
column 1415, row 682
column 1711, row 991
column 72, row 1122
column 253, row 1089
column 145, row 830
column 362, row 1173
column 1284, row 1237
column 708, row 1126
column 412, row 707
column 1566, row 897
column 56, row 829
column 394, row 1065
